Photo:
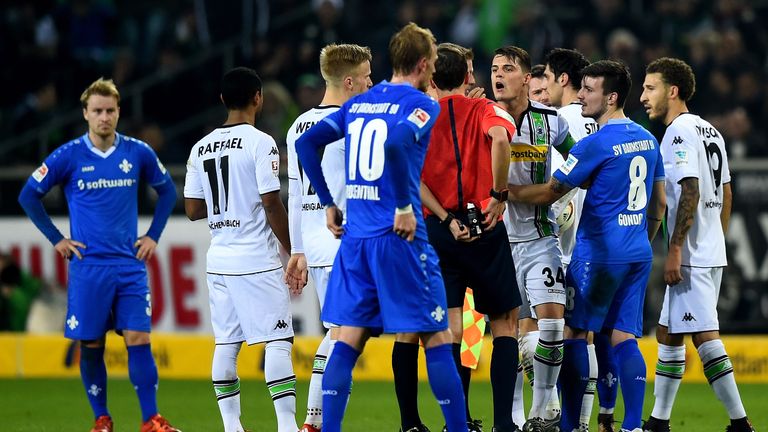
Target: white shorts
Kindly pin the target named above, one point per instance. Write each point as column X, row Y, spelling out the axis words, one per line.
column 691, row 305
column 540, row 273
column 320, row 276
column 252, row 308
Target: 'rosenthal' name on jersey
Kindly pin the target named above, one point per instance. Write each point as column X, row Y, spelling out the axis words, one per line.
column 363, row 192
column 232, row 143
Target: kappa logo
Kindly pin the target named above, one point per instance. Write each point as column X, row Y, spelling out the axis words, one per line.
column 688, row 317
column 125, row 166
column 273, row 151
column 677, row 140
column 280, row 325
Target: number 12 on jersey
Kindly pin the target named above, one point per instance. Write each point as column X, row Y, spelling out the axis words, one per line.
column 209, row 165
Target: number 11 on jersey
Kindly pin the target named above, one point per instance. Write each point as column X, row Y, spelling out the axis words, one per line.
column 209, row 165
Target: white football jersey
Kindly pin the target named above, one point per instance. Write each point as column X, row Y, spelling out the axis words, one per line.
column 692, row 147
column 579, row 127
column 230, row 168
column 306, row 216
column 538, row 135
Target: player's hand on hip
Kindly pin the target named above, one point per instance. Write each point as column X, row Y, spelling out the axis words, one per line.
column 296, row 273
column 672, row 273
column 333, row 220
column 405, row 224
column 146, row 248
column 68, row 247
column 460, row 231
column 493, row 211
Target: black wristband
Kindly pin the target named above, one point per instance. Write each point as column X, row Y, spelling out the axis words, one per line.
column 448, row 219
column 500, row 195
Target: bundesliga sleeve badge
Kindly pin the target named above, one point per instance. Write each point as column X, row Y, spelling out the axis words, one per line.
column 419, row 117
column 40, row 173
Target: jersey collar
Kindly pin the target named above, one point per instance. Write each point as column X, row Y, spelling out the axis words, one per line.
column 98, row 152
column 619, row 121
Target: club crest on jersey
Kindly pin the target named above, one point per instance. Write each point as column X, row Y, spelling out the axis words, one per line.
column 125, row 166
column 276, row 168
column 40, row 173
column 419, row 117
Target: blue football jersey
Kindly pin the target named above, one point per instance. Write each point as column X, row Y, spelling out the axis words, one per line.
column 364, row 121
column 619, row 162
column 101, row 189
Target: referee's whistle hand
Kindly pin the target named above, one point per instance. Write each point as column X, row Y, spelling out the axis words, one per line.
column 493, row 212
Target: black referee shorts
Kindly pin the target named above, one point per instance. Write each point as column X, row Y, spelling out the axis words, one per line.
column 485, row 265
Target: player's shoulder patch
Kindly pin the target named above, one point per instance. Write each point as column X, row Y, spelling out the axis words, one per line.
column 40, row 173
column 569, row 164
column 501, row 112
column 681, row 156
column 419, row 117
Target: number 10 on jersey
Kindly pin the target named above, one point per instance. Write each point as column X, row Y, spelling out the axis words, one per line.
column 366, row 148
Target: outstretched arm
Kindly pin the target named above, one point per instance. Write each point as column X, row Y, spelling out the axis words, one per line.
column 539, row 194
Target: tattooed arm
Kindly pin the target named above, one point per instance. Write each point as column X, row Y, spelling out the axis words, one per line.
column 538, row 194
column 686, row 210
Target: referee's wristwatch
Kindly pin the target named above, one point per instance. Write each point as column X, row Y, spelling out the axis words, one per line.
column 448, row 219
column 501, row 195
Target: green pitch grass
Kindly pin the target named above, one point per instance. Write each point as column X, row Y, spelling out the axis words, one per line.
column 37, row 405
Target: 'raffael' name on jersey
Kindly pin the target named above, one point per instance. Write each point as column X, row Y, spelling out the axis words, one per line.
column 232, row 143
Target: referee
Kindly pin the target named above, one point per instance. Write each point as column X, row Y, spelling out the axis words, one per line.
column 467, row 165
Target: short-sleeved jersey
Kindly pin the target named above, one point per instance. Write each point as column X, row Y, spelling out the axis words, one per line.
column 230, row 168
column 458, row 169
column 541, row 132
column 320, row 246
column 578, row 127
column 620, row 162
column 692, row 147
column 101, row 190
column 365, row 121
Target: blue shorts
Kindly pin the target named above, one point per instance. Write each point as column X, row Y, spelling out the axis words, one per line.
column 386, row 284
column 100, row 298
column 606, row 296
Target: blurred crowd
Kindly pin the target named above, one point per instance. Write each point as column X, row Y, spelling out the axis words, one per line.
column 52, row 49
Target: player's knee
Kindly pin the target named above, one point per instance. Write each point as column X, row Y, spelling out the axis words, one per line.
column 700, row 338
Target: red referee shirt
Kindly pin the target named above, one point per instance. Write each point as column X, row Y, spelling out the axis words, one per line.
column 457, row 168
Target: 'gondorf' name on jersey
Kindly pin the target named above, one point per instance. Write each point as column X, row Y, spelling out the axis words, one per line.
column 232, row 143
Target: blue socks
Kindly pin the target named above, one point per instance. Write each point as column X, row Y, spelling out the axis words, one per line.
column 607, row 375
column 337, row 382
column 446, row 385
column 574, row 377
column 93, row 372
column 143, row 374
column 631, row 368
